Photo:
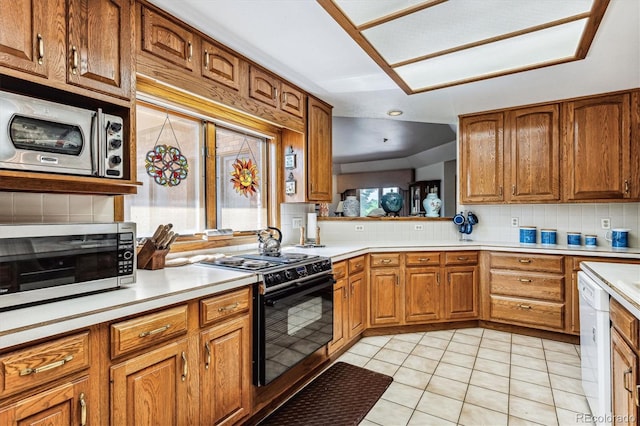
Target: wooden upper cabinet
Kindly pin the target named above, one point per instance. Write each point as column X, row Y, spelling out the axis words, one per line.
column 166, row 39
column 263, row 86
column 597, row 148
column 220, row 65
column 32, row 36
column 319, row 158
column 534, row 144
column 100, row 45
column 481, row 152
column 292, row 100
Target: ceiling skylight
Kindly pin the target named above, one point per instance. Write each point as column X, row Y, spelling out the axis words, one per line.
column 429, row 44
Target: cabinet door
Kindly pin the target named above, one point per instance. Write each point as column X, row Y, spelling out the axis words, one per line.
column 422, row 294
column 263, row 87
column 340, row 314
column 225, row 372
column 167, row 40
column 461, row 292
column 534, row 135
column 597, row 145
column 357, row 304
column 64, row 405
column 319, row 160
column 292, row 100
column 481, row 152
column 386, row 302
column 220, row 65
column 32, row 36
column 624, row 364
column 100, row 44
column 154, row 388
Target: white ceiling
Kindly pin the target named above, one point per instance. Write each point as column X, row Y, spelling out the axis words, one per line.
column 298, row 40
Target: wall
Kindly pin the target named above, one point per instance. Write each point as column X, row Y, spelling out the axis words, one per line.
column 18, row 207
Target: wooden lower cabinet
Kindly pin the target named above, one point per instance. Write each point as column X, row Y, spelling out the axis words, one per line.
column 386, row 296
column 225, row 372
column 422, row 294
column 461, row 298
column 156, row 387
column 357, row 306
column 624, row 377
column 349, row 302
column 63, row 405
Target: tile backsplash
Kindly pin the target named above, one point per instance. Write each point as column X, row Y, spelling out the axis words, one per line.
column 22, row 207
column 494, row 223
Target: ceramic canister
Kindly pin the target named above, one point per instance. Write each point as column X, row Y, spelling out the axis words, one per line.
column 574, row 238
column 528, row 234
column 590, row 240
column 619, row 237
column 548, row 236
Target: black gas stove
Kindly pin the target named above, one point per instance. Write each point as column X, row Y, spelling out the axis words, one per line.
column 276, row 271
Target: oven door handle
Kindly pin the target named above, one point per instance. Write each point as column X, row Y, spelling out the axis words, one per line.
column 310, row 286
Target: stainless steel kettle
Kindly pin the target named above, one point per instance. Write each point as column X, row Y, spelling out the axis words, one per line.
column 268, row 245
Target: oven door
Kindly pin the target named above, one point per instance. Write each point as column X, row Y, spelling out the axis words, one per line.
column 291, row 324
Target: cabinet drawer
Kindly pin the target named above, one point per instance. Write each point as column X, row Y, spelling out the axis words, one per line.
column 385, row 259
column 356, row 264
column 533, row 285
column 144, row 331
column 218, row 307
column 339, row 270
column 527, row 262
column 624, row 322
column 528, row 312
column 35, row 365
column 427, row 258
column 460, row 258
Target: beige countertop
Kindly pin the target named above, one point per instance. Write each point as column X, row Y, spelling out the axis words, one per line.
column 155, row 289
column 621, row 281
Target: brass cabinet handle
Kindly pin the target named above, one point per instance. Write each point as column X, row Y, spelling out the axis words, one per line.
column 206, row 59
column 424, row 259
column 626, row 186
column 352, row 289
column 185, row 369
column 155, row 331
column 513, row 190
column 625, row 380
column 190, row 49
column 284, row 97
column 275, row 93
column 637, row 399
column 524, row 280
column 228, row 307
column 207, row 361
column 56, row 364
column 500, row 191
column 438, row 278
column 385, row 261
column 346, row 293
column 83, row 410
column 74, row 60
column 524, row 260
column 40, row 49
column 397, row 280
column 522, row 306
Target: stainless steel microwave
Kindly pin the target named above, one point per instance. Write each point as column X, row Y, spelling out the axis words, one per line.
column 43, row 262
column 42, row 136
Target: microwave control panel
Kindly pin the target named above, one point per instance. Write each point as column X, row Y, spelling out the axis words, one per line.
column 126, row 253
column 113, row 146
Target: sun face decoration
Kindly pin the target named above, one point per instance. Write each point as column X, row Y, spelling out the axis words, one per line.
column 245, row 177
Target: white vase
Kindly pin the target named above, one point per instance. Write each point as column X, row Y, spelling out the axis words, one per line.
column 351, row 206
column 432, row 205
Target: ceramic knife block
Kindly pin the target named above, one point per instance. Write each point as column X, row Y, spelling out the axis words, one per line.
column 149, row 257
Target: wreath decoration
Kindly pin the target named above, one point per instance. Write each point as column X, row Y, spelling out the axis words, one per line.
column 245, row 177
column 165, row 163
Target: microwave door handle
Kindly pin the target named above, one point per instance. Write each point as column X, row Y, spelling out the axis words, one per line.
column 92, row 146
column 100, row 145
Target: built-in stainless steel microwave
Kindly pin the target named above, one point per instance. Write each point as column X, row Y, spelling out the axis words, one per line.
column 43, row 262
column 42, row 136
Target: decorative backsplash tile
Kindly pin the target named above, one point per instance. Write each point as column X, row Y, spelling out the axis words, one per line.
column 19, row 207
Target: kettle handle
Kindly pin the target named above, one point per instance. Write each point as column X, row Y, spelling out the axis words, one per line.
column 278, row 231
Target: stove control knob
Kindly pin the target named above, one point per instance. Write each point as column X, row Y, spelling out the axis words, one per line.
column 115, row 160
column 114, row 127
column 315, row 267
column 288, row 274
column 115, row 143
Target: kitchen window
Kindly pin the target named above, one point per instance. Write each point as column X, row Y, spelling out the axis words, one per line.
column 226, row 190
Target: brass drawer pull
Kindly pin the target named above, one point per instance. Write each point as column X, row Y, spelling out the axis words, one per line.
column 524, row 280
column 424, row 259
column 83, row 410
column 358, row 266
column 385, row 261
column 156, row 331
column 228, row 307
column 56, row 364
column 521, row 306
column 524, row 260
column 463, row 258
column 207, row 349
column 185, row 369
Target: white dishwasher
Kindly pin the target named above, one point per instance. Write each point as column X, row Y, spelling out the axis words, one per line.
column 595, row 346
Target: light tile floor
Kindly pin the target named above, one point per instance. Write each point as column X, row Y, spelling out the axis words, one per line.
column 471, row 377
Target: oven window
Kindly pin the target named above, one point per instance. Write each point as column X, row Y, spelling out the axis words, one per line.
column 34, row 134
